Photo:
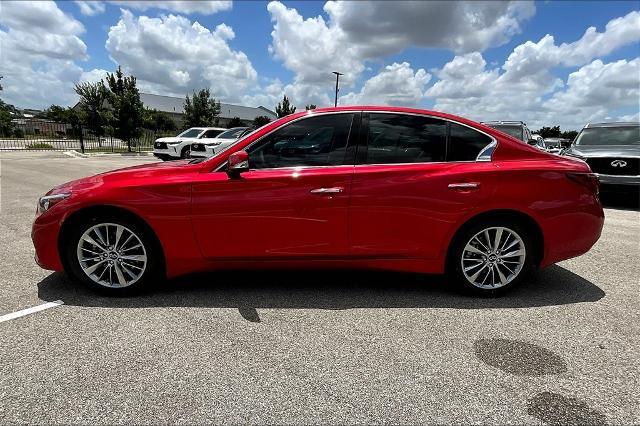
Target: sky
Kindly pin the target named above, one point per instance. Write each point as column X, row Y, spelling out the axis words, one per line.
column 546, row 63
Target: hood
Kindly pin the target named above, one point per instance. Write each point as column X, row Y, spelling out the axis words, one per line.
column 171, row 139
column 588, row 151
column 129, row 175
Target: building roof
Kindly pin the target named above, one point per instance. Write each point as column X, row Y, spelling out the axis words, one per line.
column 176, row 105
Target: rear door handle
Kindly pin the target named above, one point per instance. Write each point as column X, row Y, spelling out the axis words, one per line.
column 322, row 191
column 464, row 185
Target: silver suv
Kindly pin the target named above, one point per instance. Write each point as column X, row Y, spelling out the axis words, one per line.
column 517, row 129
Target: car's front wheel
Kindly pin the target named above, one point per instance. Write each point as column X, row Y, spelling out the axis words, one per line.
column 490, row 257
column 116, row 256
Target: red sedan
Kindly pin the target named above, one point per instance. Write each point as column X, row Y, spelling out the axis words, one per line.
column 358, row 187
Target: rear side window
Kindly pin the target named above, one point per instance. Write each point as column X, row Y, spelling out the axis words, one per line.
column 398, row 138
column 314, row 141
column 465, row 143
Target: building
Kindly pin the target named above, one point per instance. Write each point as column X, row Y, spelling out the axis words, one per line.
column 175, row 108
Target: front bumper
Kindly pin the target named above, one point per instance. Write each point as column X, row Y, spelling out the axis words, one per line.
column 618, row 180
column 165, row 154
column 210, row 151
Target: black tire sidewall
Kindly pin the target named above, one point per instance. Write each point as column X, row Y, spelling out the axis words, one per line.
column 72, row 264
column 185, row 153
column 454, row 266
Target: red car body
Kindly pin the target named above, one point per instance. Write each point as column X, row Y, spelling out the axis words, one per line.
column 389, row 216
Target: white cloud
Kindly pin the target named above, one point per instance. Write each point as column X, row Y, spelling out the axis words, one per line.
column 93, row 76
column 396, row 84
column 383, row 27
column 357, row 32
column 39, row 66
column 205, row 7
column 524, row 88
column 90, row 7
column 172, row 55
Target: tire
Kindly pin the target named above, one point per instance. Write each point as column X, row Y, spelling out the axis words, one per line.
column 119, row 269
column 485, row 270
column 185, row 153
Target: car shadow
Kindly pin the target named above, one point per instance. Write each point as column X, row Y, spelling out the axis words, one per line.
column 629, row 200
column 247, row 290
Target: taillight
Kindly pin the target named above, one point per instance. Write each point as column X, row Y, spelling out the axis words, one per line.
column 588, row 180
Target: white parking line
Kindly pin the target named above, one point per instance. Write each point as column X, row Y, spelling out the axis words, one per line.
column 32, row 310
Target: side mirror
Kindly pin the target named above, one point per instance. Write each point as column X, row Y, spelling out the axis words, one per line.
column 238, row 163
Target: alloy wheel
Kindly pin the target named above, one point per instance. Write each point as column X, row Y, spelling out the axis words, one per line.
column 112, row 255
column 493, row 257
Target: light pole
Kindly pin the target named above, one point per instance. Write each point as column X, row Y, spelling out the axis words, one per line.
column 338, row 74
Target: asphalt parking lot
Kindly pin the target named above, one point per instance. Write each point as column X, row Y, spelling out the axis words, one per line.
column 314, row 347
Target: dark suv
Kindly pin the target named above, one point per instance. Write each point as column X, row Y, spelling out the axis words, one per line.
column 612, row 150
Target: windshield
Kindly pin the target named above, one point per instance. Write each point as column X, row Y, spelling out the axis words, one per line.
column 628, row 135
column 231, row 133
column 515, row 131
column 190, row 133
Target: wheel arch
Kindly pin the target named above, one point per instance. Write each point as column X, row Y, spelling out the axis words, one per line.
column 506, row 214
column 109, row 211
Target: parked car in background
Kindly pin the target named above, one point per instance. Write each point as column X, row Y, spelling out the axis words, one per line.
column 612, row 150
column 210, row 147
column 556, row 145
column 361, row 187
column 173, row 148
column 517, row 129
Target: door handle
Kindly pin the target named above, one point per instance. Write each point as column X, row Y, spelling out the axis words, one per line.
column 464, row 185
column 322, row 191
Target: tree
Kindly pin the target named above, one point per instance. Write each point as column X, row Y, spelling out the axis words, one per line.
column 261, row 120
column 127, row 108
column 201, row 110
column 6, row 115
column 549, row 132
column 92, row 106
column 234, row 122
column 157, row 121
column 570, row 134
column 284, row 108
column 310, row 107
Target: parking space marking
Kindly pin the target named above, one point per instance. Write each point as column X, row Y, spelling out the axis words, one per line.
column 32, row 310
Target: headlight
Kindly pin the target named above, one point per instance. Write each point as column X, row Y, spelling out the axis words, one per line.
column 46, row 202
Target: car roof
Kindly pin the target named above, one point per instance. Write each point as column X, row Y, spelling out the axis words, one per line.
column 488, row 123
column 236, row 128
column 613, row 124
column 207, row 128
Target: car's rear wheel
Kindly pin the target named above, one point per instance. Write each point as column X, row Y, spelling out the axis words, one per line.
column 490, row 257
column 115, row 256
column 186, row 152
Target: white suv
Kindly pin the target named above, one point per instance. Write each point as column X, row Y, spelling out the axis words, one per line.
column 179, row 146
column 210, row 147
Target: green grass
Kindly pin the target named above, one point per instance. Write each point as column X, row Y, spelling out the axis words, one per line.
column 39, row 145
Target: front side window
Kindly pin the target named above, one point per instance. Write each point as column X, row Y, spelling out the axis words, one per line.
column 313, row 141
column 398, row 138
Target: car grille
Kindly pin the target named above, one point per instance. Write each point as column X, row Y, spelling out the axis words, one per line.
column 160, row 145
column 615, row 166
column 197, row 147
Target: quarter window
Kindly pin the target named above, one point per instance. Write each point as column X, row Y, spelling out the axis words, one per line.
column 314, row 141
column 399, row 138
column 465, row 143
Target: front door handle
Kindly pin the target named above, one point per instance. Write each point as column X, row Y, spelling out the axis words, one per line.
column 464, row 185
column 322, row 191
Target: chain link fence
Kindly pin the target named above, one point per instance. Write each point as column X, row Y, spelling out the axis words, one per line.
column 39, row 134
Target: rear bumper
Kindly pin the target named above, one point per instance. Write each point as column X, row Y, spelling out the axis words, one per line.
column 572, row 234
